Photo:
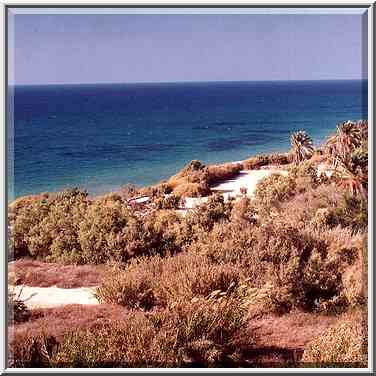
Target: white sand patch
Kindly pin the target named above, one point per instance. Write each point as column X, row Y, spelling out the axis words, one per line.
column 231, row 188
column 247, row 179
column 45, row 297
column 193, row 202
column 326, row 169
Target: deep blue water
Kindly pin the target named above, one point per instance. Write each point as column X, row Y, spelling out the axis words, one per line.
column 100, row 137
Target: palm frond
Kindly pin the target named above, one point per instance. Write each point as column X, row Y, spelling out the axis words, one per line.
column 302, row 146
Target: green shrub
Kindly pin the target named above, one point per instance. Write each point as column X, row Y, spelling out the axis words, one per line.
column 274, row 189
column 233, row 244
column 109, row 232
column 17, row 309
column 305, row 175
column 216, row 209
column 351, row 212
column 46, row 226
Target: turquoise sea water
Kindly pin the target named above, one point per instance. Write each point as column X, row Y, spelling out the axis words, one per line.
column 100, row 137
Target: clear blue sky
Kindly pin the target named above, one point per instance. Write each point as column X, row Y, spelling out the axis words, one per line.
column 100, row 48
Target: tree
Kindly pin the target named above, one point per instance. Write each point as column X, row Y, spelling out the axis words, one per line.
column 347, row 138
column 354, row 171
column 302, row 146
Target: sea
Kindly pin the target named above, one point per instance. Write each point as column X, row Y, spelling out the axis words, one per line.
column 104, row 136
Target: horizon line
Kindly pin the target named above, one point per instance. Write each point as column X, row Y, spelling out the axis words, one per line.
column 183, row 82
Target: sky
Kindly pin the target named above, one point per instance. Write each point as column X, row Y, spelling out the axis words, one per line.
column 125, row 48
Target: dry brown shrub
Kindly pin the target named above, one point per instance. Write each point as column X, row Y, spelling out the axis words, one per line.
column 133, row 286
column 322, row 201
column 216, row 209
column 244, row 211
column 188, row 275
column 262, row 160
column 196, row 332
column 190, row 332
column 232, row 244
column 195, row 179
column 343, row 345
column 47, row 327
column 146, row 282
column 218, row 173
column 191, row 190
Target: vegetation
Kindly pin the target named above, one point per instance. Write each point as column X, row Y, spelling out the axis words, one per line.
column 263, row 160
column 302, row 147
column 188, row 287
column 17, row 310
column 344, row 344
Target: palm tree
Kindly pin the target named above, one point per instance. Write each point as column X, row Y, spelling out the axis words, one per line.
column 363, row 128
column 302, row 146
column 354, row 172
column 347, row 138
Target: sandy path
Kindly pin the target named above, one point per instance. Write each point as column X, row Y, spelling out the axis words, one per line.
column 46, row 297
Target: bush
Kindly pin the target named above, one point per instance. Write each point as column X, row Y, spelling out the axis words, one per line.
column 351, row 212
column 195, row 179
column 344, row 344
column 150, row 281
column 218, row 173
column 110, row 232
column 233, row 244
column 17, row 310
column 274, row 189
column 134, row 286
column 192, row 190
column 319, row 213
column 171, row 201
column 262, row 160
column 306, row 269
column 197, row 332
column 202, row 218
column 167, row 227
column 188, row 275
column 69, row 228
column 46, row 226
column 305, row 175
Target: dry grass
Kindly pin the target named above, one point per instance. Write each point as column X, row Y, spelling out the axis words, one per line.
column 189, row 332
column 25, row 339
column 42, row 274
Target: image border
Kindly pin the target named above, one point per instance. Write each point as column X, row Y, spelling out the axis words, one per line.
column 370, row 10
